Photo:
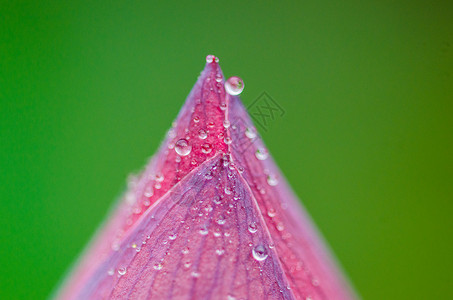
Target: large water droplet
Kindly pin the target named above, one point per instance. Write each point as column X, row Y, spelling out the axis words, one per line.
column 259, row 253
column 261, row 153
column 182, row 147
column 234, row 85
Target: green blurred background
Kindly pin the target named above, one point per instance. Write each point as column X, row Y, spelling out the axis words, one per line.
column 87, row 91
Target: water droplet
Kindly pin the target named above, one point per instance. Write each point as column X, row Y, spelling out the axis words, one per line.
column 221, row 220
column 272, row 180
column 111, row 272
column 217, row 200
column 204, row 231
column 250, row 132
column 210, row 58
column 223, row 106
column 261, row 153
column 253, row 227
column 159, row 177
column 115, row 246
column 227, row 140
column 149, row 192
column 228, row 190
column 196, row 119
column 259, row 253
column 271, row 212
column 158, row 266
column 208, row 176
column 195, row 274
column 220, row 252
column 173, row 236
column 210, row 124
column 226, row 123
column 202, row 134
column 218, row 77
column 122, row 271
column 206, row 148
column 280, row 227
column 182, row 147
column 171, row 133
column 234, row 85
column 185, row 250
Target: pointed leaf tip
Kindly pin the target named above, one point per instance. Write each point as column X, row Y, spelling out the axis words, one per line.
column 211, row 216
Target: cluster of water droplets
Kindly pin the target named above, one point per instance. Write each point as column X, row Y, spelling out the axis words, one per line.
column 211, row 58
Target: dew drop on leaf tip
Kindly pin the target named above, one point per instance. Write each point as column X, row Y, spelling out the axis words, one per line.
column 211, row 58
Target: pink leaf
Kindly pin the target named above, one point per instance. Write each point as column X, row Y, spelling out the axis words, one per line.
column 211, row 217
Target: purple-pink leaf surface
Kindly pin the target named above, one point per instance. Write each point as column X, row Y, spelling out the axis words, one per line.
column 210, row 217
